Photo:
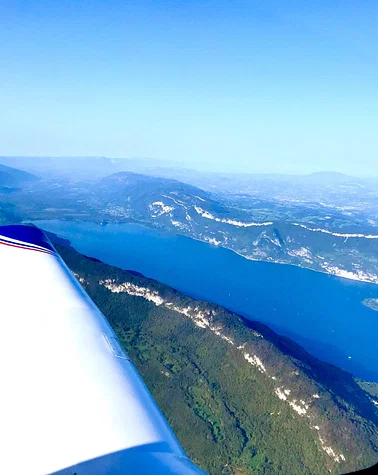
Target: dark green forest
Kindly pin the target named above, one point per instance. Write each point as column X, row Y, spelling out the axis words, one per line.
column 230, row 411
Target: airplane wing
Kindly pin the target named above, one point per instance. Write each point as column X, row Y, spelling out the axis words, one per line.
column 71, row 401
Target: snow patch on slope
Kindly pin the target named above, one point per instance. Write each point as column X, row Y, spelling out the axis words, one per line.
column 357, row 275
column 132, row 289
column 345, row 235
column 203, row 319
column 207, row 215
column 302, row 252
column 159, row 208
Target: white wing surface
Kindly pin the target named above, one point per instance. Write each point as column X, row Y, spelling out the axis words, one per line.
column 71, row 402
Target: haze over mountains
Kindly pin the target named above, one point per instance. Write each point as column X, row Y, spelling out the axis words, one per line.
column 243, row 386
column 328, row 188
column 330, row 226
column 79, row 168
column 97, row 167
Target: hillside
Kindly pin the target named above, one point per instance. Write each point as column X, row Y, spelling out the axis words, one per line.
column 240, row 398
column 256, row 232
column 11, row 181
column 12, row 177
column 337, row 240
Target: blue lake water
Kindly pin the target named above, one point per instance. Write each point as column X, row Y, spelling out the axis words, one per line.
column 321, row 312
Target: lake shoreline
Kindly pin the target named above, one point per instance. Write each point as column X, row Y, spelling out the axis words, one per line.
column 301, row 304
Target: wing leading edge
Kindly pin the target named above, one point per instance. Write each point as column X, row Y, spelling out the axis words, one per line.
column 71, row 400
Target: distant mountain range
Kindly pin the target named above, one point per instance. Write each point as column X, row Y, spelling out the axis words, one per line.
column 82, row 168
column 78, row 168
column 198, row 214
column 241, row 398
column 337, row 240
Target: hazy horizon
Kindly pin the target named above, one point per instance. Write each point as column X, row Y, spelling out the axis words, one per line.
column 232, row 87
column 167, row 164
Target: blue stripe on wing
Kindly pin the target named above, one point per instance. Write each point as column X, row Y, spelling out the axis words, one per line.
column 26, row 237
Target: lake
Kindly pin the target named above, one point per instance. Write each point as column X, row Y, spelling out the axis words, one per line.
column 323, row 313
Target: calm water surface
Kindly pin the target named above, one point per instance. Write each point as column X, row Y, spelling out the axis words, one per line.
column 321, row 312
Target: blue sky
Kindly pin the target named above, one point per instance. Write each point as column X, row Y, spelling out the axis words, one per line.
column 254, row 85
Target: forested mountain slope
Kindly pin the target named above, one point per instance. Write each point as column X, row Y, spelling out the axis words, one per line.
column 310, row 238
column 240, row 398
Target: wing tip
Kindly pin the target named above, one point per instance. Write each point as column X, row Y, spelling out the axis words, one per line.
column 27, row 237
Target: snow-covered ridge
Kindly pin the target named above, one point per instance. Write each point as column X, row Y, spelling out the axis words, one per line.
column 358, row 275
column 255, row 361
column 302, row 252
column 213, row 241
column 284, row 394
column 344, row 235
column 204, row 319
column 177, row 201
column 329, row 451
column 132, row 289
column 206, row 214
column 264, row 236
column 160, row 208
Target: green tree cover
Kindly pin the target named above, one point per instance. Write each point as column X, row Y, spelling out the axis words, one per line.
column 224, row 410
